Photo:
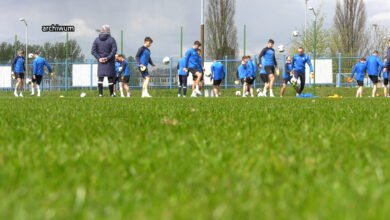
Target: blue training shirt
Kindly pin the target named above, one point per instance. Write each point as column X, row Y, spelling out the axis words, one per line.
column 269, row 57
column 18, row 66
column 242, row 71
column 38, row 66
column 287, row 71
column 193, row 60
column 143, row 57
column 181, row 66
column 373, row 65
column 360, row 70
column 218, row 71
column 299, row 63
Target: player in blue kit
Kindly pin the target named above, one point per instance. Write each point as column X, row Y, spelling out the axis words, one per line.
column 39, row 64
column 286, row 75
column 359, row 72
column 374, row 64
column 299, row 63
column 385, row 73
column 242, row 73
column 217, row 75
column 143, row 60
column 193, row 65
column 267, row 60
column 19, row 69
column 123, row 75
column 183, row 76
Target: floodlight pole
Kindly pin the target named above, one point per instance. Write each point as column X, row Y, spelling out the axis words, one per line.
column 305, row 22
column 26, row 35
column 315, row 46
column 121, row 41
column 66, row 60
column 202, row 29
column 244, row 39
column 181, row 41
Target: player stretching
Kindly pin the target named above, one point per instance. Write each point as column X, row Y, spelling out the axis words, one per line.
column 373, row 68
column 123, row 75
column 183, row 76
column 360, row 70
column 192, row 65
column 19, row 68
column 143, row 60
column 104, row 50
column 299, row 62
column 38, row 69
column 269, row 63
column 286, row 75
column 217, row 75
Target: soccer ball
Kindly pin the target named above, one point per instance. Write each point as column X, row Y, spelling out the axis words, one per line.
column 281, row 48
column 82, row 95
column 166, row 60
column 237, row 82
column 238, row 93
column 294, row 81
column 120, row 69
column 295, row 33
column 207, row 74
column 143, row 68
column 30, row 55
column 28, row 81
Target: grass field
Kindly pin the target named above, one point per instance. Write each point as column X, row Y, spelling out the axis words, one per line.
column 170, row 158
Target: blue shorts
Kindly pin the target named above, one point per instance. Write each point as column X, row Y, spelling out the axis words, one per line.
column 145, row 73
column 286, row 80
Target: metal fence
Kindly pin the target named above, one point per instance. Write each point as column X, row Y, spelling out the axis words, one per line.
column 165, row 76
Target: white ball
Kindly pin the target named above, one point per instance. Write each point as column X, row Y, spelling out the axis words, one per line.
column 281, row 48
column 207, row 74
column 82, row 95
column 30, row 55
column 166, row 60
column 295, row 33
column 238, row 93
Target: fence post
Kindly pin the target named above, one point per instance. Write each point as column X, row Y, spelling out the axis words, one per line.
column 91, row 77
column 227, row 73
column 170, row 73
column 339, row 74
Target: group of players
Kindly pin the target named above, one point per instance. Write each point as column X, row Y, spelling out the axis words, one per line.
column 375, row 70
column 116, row 68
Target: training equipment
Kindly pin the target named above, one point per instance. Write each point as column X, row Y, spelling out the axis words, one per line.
column 281, row 48
column 238, row 93
column 143, row 68
column 83, row 94
column 166, row 60
column 237, row 82
column 30, row 55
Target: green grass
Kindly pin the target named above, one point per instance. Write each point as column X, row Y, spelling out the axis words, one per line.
column 170, row 158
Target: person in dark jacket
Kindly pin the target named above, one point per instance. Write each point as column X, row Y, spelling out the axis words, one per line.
column 104, row 49
column 19, row 68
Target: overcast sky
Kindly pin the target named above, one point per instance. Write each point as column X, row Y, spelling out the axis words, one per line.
column 161, row 19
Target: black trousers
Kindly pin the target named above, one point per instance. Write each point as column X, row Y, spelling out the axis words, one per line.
column 302, row 78
column 110, row 85
column 183, row 84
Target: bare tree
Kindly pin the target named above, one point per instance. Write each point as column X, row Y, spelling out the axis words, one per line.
column 221, row 32
column 349, row 27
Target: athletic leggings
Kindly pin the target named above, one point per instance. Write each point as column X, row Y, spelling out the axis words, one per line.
column 302, row 77
column 110, row 85
column 183, row 84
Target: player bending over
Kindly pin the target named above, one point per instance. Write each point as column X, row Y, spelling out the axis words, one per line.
column 123, row 75
column 374, row 64
column 242, row 73
column 39, row 64
column 19, row 69
column 143, row 60
column 286, row 75
column 217, row 75
column 299, row 62
column 359, row 71
column 270, row 65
